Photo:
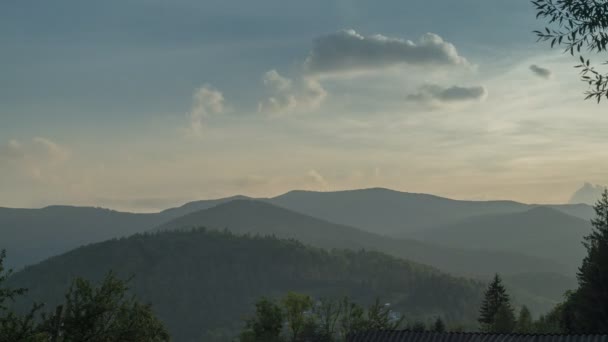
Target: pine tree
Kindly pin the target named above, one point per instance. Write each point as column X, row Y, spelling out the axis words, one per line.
column 439, row 326
column 587, row 308
column 504, row 320
column 524, row 321
column 495, row 297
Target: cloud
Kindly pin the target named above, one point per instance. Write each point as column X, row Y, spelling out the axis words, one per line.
column 588, row 194
column 541, row 72
column 348, row 51
column 11, row 151
column 439, row 94
column 206, row 101
column 315, row 176
column 287, row 95
column 36, row 159
column 56, row 153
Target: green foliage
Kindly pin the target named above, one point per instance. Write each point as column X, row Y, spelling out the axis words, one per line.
column 296, row 306
column 95, row 314
column 551, row 323
column 524, row 323
column 14, row 327
column 206, row 281
column 328, row 320
column 496, row 313
column 266, row 325
column 104, row 313
column 504, row 320
column 577, row 25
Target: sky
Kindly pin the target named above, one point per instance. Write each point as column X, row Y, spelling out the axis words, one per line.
column 143, row 105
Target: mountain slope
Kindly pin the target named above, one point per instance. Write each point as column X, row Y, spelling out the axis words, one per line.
column 202, row 283
column 396, row 213
column 541, row 232
column 194, row 206
column 255, row 217
column 32, row 235
column 386, row 211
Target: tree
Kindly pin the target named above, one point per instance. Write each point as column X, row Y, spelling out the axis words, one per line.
column 14, row 327
column 586, row 309
column 495, row 299
column 417, row 327
column 439, row 326
column 327, row 312
column 524, row 321
column 504, row 320
column 578, row 24
column 266, row 325
column 326, row 321
column 103, row 313
column 296, row 307
column 380, row 317
column 352, row 319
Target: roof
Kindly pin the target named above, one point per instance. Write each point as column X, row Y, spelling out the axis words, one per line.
column 409, row 336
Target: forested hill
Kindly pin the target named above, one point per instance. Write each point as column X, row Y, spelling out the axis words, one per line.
column 203, row 283
column 541, row 232
column 255, row 217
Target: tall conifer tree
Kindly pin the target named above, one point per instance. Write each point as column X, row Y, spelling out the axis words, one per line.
column 495, row 297
column 587, row 309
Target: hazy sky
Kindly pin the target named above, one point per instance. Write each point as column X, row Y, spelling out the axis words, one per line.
column 141, row 105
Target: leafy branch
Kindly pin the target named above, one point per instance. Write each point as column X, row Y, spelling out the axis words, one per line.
column 578, row 25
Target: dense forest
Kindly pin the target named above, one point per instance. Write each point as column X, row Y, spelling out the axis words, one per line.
column 203, row 284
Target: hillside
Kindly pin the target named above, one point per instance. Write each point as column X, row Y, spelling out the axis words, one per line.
column 540, row 232
column 203, row 283
column 32, row 235
column 255, row 217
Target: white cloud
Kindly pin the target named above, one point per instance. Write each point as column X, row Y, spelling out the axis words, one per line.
column 56, row 153
column 541, row 72
column 348, row 51
column 206, row 101
column 315, row 176
column 439, row 94
column 35, row 159
column 286, row 95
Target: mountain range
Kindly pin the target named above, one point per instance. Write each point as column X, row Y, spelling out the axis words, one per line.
column 534, row 247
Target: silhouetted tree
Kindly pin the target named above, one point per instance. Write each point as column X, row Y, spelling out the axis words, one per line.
column 586, row 309
column 103, row 313
column 495, row 299
column 417, row 327
column 439, row 326
column 577, row 25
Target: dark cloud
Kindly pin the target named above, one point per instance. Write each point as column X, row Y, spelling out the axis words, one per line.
column 541, row 72
column 347, row 51
column 435, row 93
